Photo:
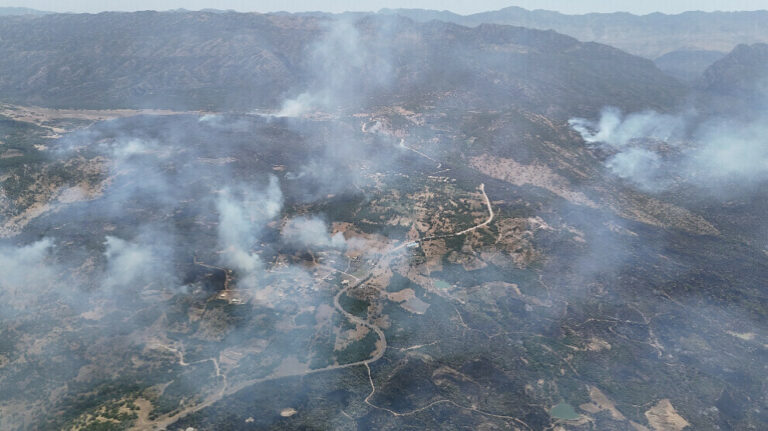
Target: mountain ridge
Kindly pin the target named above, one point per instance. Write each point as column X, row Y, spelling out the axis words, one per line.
column 650, row 35
column 204, row 60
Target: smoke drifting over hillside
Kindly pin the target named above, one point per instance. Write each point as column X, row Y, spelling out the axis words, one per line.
column 311, row 232
column 135, row 264
column 657, row 151
column 343, row 67
column 414, row 240
column 181, row 199
column 242, row 215
column 28, row 273
column 23, row 266
column 618, row 131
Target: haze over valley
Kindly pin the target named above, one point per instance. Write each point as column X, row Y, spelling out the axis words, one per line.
column 514, row 219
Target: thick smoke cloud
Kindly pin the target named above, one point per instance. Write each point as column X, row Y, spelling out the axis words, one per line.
column 639, row 165
column 153, row 174
column 350, row 65
column 32, row 271
column 141, row 262
column 242, row 214
column 311, row 232
column 126, row 262
column 26, row 266
column 618, row 131
column 657, row 151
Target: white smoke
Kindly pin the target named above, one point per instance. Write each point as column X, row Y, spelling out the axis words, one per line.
column 29, row 277
column 730, row 151
column 717, row 152
column 617, row 131
column 26, row 267
column 124, row 149
column 299, row 105
column 341, row 63
column 639, row 165
column 222, row 122
column 311, row 232
column 144, row 261
column 243, row 212
column 127, row 262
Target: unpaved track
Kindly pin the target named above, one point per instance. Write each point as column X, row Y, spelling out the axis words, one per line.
column 491, row 215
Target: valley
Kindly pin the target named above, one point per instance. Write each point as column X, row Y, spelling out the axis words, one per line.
column 221, row 220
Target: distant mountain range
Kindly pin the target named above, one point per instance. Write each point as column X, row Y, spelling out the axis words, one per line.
column 4, row 11
column 742, row 73
column 650, row 36
column 228, row 60
column 737, row 84
column 206, row 60
column 682, row 45
column 382, row 222
column 687, row 65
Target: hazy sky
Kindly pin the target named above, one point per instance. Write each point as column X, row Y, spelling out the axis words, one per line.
column 459, row 6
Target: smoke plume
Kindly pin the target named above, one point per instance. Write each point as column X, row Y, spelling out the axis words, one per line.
column 343, row 68
column 243, row 212
column 657, row 151
column 311, row 232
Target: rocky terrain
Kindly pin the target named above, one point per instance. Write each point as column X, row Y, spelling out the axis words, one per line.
column 246, row 221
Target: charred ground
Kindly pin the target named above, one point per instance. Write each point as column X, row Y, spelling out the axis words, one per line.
column 162, row 290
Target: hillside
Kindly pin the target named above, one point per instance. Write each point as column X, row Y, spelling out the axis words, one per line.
column 735, row 86
column 741, row 73
column 221, row 61
column 650, row 36
column 687, row 65
column 218, row 220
